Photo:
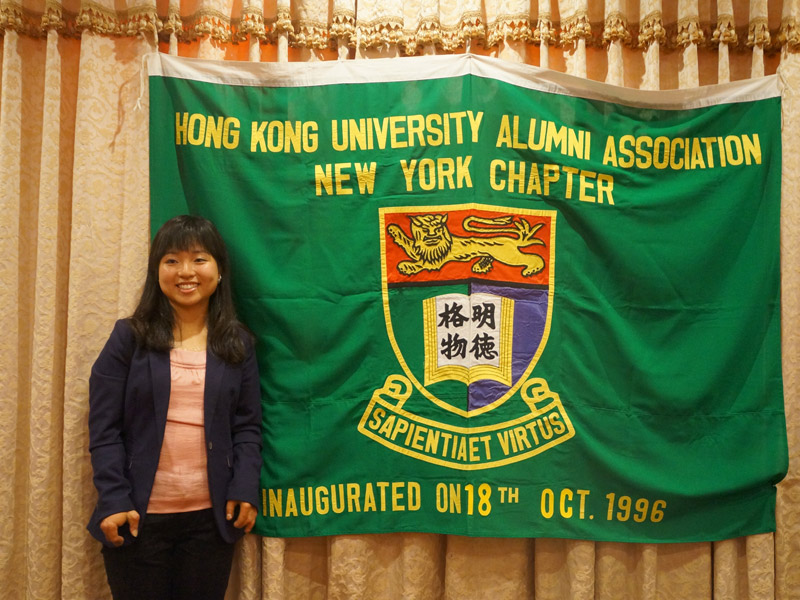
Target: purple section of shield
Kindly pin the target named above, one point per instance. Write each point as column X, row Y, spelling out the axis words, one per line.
column 530, row 317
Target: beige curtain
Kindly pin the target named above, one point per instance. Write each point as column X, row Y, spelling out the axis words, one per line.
column 73, row 242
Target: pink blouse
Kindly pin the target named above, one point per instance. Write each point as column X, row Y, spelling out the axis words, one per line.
column 181, row 483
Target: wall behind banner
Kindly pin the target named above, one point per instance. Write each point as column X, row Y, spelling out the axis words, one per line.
column 74, row 235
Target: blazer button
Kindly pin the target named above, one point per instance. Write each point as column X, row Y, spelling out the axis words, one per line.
column 210, row 445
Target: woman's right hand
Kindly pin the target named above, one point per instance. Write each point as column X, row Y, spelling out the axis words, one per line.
column 111, row 524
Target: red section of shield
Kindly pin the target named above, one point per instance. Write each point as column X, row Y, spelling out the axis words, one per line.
column 455, row 270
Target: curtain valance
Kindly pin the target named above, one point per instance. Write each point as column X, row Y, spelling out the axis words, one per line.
column 412, row 26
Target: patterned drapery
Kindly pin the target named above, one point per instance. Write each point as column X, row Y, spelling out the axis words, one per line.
column 73, row 238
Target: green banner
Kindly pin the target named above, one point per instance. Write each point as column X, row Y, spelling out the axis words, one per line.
column 490, row 299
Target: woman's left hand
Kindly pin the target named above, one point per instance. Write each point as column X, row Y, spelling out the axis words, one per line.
column 247, row 514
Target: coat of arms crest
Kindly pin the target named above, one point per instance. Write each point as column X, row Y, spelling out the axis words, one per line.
column 467, row 295
column 477, row 283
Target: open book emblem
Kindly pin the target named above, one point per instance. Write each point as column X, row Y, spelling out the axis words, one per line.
column 467, row 293
column 468, row 338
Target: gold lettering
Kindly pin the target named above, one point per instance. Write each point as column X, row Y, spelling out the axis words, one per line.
column 570, row 171
column 605, row 185
column 459, row 117
column 365, row 175
column 323, row 178
column 397, row 496
column 752, row 149
column 275, row 503
column 181, row 126
column 291, row 503
column 369, row 498
column 551, row 175
column 586, row 185
column 504, row 133
column 408, row 172
column 475, row 124
column 353, row 497
column 377, row 416
column 493, row 181
column 397, row 128
column 341, row 179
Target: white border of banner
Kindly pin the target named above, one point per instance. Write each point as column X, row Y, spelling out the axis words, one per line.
column 304, row 74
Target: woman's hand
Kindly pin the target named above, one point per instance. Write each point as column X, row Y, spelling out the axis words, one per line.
column 111, row 524
column 247, row 514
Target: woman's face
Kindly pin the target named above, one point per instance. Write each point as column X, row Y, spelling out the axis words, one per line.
column 188, row 278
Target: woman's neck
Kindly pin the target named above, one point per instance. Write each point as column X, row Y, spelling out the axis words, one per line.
column 190, row 331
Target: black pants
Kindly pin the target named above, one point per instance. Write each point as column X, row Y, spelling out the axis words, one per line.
column 178, row 556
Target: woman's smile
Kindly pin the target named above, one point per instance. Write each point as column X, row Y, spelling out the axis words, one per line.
column 188, row 278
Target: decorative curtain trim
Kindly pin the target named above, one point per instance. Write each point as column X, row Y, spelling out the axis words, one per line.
column 651, row 30
column 93, row 17
column 725, row 32
column 470, row 27
column 310, row 34
column 544, row 32
column 428, row 32
column 344, row 28
column 130, row 22
column 689, row 32
column 515, row 27
column 615, row 29
column 13, row 17
column 53, row 18
column 758, row 33
column 789, row 36
column 283, row 21
column 575, row 28
column 252, row 25
column 380, row 32
column 172, row 24
column 207, row 22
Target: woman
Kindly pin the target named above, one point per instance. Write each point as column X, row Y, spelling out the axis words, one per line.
column 175, row 426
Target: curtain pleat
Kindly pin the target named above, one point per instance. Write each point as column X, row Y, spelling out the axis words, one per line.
column 13, row 358
column 109, row 238
column 651, row 36
column 787, row 539
column 615, row 34
column 74, row 235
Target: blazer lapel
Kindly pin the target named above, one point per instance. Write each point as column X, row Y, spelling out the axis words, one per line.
column 215, row 371
column 160, row 370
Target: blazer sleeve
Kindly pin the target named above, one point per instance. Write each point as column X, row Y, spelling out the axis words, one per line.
column 107, row 385
column 246, row 435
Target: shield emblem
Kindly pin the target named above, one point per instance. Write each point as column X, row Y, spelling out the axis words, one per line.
column 467, row 294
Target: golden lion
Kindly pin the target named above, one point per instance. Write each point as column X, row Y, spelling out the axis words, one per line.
column 432, row 245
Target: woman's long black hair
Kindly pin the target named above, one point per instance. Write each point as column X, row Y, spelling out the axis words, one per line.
column 154, row 319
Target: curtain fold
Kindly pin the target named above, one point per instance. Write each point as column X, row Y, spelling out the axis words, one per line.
column 74, row 238
column 787, row 540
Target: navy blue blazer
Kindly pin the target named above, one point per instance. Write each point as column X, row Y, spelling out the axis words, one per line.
column 129, row 391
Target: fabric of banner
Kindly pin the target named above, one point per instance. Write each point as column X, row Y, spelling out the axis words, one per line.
column 635, row 246
column 493, row 300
